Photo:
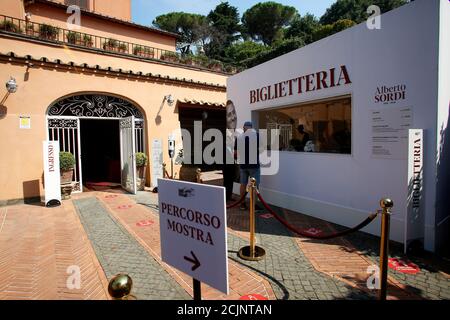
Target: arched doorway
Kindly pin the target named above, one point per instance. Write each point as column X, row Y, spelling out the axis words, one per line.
column 103, row 132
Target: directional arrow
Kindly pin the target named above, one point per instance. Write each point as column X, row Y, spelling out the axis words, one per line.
column 194, row 261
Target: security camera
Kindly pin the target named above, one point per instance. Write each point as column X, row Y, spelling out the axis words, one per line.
column 11, row 85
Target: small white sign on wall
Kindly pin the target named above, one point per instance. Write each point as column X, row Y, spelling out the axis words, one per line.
column 25, row 122
column 157, row 161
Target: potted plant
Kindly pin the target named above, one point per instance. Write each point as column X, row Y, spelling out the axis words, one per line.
column 123, row 48
column 66, row 165
column 144, row 52
column 215, row 65
column 73, row 37
column 48, row 32
column 188, row 172
column 141, row 165
column 170, row 56
column 87, row 41
column 111, row 45
column 29, row 29
column 10, row 27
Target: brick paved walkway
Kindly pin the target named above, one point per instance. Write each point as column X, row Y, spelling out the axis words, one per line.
column 119, row 252
column 144, row 207
column 37, row 246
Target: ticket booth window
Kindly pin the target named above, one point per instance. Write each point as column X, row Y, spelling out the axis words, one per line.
column 319, row 126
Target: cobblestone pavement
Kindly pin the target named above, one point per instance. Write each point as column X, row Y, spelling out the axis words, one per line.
column 430, row 283
column 287, row 269
column 119, row 252
column 291, row 274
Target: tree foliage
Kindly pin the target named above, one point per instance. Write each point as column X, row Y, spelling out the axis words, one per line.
column 241, row 51
column 327, row 30
column 225, row 28
column 191, row 27
column 303, row 27
column 356, row 10
column 265, row 21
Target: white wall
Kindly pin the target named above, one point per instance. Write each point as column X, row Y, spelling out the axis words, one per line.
column 442, row 220
column 345, row 188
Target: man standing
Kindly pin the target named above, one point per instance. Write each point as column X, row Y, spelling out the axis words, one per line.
column 247, row 149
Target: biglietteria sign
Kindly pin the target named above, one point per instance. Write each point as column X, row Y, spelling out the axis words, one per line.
column 193, row 230
column 331, row 78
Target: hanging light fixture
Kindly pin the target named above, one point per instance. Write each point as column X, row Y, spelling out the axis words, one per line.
column 11, row 85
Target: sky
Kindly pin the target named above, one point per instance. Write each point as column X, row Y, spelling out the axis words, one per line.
column 145, row 11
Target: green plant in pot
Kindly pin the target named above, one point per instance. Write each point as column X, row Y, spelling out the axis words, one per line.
column 10, row 26
column 141, row 165
column 188, row 172
column 48, row 32
column 73, row 37
column 66, row 165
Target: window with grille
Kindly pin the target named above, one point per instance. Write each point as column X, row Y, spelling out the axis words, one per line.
column 83, row 4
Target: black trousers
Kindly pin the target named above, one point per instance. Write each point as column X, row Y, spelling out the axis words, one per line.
column 229, row 175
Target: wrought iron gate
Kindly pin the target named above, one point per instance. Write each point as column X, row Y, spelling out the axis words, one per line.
column 66, row 130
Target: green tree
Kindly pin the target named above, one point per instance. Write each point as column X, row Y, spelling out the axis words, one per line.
column 280, row 48
column 225, row 28
column 356, row 10
column 190, row 27
column 303, row 27
column 241, row 51
column 265, row 21
column 326, row 30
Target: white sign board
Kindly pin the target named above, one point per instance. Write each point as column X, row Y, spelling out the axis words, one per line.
column 194, row 230
column 157, row 161
column 52, row 176
column 414, row 222
column 390, row 132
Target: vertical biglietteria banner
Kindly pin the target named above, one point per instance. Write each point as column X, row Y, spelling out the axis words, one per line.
column 52, row 176
column 414, row 222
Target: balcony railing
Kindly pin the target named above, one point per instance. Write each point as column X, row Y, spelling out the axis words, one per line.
column 84, row 40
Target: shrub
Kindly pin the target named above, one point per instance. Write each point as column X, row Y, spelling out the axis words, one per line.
column 87, row 40
column 112, row 43
column 73, row 37
column 10, row 26
column 170, row 56
column 48, row 31
column 123, row 47
column 141, row 159
column 66, row 161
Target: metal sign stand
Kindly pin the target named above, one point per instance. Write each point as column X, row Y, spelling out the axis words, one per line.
column 197, row 290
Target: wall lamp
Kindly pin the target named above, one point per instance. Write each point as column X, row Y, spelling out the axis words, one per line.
column 11, row 85
column 170, row 100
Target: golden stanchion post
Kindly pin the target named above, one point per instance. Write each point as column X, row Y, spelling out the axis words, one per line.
column 120, row 287
column 386, row 206
column 199, row 175
column 252, row 252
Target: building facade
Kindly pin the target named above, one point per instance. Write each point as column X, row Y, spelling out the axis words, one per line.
column 81, row 85
column 356, row 95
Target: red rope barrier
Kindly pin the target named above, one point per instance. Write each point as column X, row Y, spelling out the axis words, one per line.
column 167, row 174
column 307, row 235
column 242, row 199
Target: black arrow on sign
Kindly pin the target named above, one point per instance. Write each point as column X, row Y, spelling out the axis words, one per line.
column 194, row 261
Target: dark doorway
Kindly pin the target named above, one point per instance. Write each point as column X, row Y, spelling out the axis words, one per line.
column 100, row 151
column 211, row 118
